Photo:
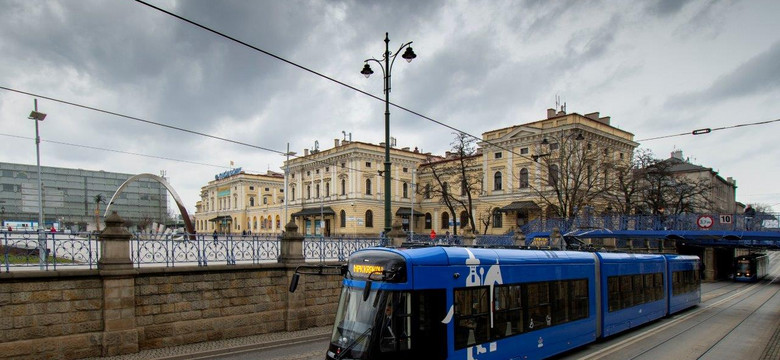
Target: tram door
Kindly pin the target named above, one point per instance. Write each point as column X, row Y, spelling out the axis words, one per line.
column 431, row 310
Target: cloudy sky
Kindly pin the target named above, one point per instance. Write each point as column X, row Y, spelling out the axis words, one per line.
column 656, row 67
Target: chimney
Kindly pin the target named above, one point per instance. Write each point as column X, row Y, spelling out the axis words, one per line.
column 550, row 113
column 447, row 154
column 677, row 154
column 305, row 152
column 605, row 120
column 405, row 148
column 335, row 142
column 593, row 116
column 382, row 144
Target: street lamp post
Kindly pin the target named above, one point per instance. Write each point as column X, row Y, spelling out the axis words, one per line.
column 38, row 116
column 387, row 68
column 286, row 177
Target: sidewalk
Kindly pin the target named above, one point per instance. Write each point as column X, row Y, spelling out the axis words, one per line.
column 257, row 341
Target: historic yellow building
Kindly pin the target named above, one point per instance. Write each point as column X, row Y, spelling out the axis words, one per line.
column 338, row 191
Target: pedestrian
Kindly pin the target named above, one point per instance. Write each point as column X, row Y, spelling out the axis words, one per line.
column 53, row 229
column 9, row 228
column 433, row 235
column 215, row 237
column 448, row 237
column 750, row 213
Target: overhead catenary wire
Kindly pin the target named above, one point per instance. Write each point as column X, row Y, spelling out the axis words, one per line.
column 704, row 131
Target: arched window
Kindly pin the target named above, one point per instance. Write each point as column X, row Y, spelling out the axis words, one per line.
column 463, row 187
column 317, row 191
column 428, row 220
column 445, row 220
column 405, row 190
column 369, row 218
column 343, row 218
column 464, row 219
column 254, row 222
column 270, row 221
column 308, row 191
column 327, row 189
column 427, row 191
column 497, row 219
column 278, row 222
column 292, row 193
column 368, row 186
column 552, row 176
column 497, row 181
column 523, row 178
column 343, row 186
column 251, row 201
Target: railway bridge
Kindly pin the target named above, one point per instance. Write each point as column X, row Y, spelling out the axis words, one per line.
column 715, row 238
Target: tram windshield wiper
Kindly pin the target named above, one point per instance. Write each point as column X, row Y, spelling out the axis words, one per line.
column 353, row 343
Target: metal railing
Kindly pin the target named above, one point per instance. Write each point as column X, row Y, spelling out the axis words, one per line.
column 337, row 248
column 20, row 250
column 725, row 222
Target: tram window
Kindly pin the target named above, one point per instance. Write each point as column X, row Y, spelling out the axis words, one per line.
column 539, row 314
column 639, row 289
column 658, row 285
column 508, row 307
column 396, row 325
column 613, row 289
column 626, row 292
column 472, row 312
column 579, row 299
column 560, row 296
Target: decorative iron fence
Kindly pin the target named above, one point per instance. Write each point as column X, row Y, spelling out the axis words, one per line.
column 48, row 251
column 337, row 248
column 21, row 250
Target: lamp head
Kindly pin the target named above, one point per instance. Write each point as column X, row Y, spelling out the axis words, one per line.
column 34, row 115
column 367, row 71
column 409, row 54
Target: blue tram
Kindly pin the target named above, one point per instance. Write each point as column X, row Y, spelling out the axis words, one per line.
column 751, row 267
column 476, row 303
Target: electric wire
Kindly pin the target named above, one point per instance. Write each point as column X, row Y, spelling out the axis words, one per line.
column 704, row 131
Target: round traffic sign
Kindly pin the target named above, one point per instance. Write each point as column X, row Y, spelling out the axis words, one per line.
column 705, row 221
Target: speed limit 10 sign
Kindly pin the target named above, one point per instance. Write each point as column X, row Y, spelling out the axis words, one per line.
column 726, row 219
column 705, row 221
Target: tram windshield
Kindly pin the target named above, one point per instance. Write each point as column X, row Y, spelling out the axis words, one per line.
column 743, row 266
column 382, row 327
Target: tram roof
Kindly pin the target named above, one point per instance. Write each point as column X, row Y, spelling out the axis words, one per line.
column 442, row 256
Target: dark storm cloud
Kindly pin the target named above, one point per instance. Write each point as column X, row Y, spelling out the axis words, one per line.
column 663, row 8
column 757, row 75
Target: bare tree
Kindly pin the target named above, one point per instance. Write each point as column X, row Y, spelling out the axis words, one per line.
column 579, row 170
column 623, row 196
column 667, row 192
column 486, row 218
column 456, row 179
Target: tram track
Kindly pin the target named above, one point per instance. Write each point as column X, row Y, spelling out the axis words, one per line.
column 746, row 291
column 758, row 288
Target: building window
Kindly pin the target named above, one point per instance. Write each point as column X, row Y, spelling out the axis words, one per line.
column 369, row 219
column 343, row 187
column 428, row 219
column 523, row 178
column 251, row 188
column 292, row 193
column 317, row 190
column 464, row 219
column 317, row 171
column 308, row 191
column 445, row 220
column 251, row 201
column 368, row 164
column 368, row 186
column 405, row 190
column 406, row 170
column 427, row 191
column 553, row 146
column 327, row 189
column 497, row 155
column 327, row 168
column 552, row 176
column 308, row 173
column 497, row 219
column 524, row 151
column 497, row 181
column 265, row 201
column 343, row 218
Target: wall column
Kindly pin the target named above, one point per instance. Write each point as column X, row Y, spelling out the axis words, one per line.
column 120, row 335
column 291, row 255
column 709, row 264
